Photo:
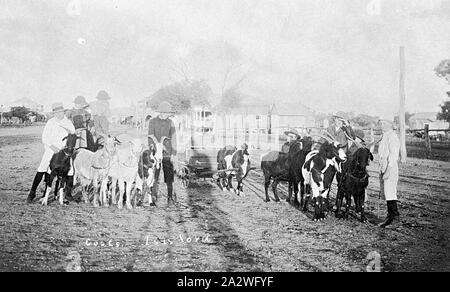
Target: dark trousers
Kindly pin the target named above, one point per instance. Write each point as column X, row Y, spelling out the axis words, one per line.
column 168, row 170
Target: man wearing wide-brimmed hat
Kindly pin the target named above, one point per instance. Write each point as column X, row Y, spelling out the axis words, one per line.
column 56, row 129
column 81, row 119
column 338, row 129
column 100, row 114
column 292, row 137
column 389, row 151
column 163, row 126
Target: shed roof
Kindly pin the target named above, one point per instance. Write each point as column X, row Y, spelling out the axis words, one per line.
column 250, row 109
column 430, row 116
column 292, row 109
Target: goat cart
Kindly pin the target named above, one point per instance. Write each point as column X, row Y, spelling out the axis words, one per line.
column 198, row 164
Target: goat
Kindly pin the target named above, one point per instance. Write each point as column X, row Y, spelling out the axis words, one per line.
column 352, row 182
column 238, row 165
column 316, row 174
column 159, row 149
column 281, row 166
column 124, row 170
column 222, row 165
column 92, row 167
column 60, row 165
column 146, row 173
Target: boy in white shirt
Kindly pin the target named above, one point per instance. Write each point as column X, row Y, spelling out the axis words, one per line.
column 56, row 129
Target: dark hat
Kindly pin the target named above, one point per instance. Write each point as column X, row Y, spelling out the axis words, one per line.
column 58, row 107
column 292, row 132
column 80, row 102
column 103, row 95
column 165, row 107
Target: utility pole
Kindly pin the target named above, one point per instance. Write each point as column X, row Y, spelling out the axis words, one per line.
column 402, row 94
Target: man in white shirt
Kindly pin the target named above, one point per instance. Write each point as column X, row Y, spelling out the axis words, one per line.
column 56, row 129
column 388, row 152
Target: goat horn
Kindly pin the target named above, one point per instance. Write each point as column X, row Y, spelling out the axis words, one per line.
column 163, row 138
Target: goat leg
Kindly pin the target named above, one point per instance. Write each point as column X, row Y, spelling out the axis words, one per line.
column 121, row 193
column 274, row 189
column 296, row 203
column 104, row 192
column 289, row 192
column 348, row 201
column 48, row 188
column 96, row 193
column 129, row 194
column 339, row 198
column 61, row 190
column 266, row 188
column 362, row 200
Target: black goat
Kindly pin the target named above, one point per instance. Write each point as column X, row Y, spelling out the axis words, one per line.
column 352, row 182
column 280, row 166
column 60, row 165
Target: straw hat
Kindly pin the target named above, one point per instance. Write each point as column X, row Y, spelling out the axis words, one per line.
column 292, row 132
column 58, row 107
column 80, row 102
column 103, row 95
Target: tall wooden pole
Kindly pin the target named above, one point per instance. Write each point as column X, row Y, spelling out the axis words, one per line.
column 402, row 106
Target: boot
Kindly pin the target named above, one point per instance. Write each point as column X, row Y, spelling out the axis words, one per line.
column 37, row 180
column 68, row 190
column 395, row 213
column 392, row 211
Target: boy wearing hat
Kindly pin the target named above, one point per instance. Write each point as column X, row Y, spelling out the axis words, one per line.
column 389, row 151
column 55, row 130
column 292, row 137
column 81, row 118
column 100, row 114
column 159, row 127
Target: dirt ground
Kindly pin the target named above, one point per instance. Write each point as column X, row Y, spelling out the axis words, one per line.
column 210, row 230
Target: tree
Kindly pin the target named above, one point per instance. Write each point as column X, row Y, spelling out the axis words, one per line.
column 231, row 98
column 20, row 112
column 443, row 69
column 444, row 114
column 182, row 95
column 364, row 121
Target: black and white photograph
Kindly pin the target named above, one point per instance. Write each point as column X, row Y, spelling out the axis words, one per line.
column 229, row 136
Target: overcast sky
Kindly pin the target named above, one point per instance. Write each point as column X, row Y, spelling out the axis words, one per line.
column 328, row 54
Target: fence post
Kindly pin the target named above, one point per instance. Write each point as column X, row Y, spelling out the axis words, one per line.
column 427, row 140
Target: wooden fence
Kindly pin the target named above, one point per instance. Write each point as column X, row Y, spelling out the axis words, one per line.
column 427, row 137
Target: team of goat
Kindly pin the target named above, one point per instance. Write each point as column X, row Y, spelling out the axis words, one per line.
column 308, row 164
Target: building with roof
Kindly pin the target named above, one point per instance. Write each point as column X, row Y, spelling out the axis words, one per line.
column 418, row 121
column 292, row 115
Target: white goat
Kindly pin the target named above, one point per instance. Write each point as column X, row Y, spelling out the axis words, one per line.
column 92, row 167
column 124, row 170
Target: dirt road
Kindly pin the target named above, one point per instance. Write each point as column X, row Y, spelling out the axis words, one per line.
column 211, row 230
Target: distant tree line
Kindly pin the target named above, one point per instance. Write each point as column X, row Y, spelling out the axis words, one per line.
column 23, row 114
